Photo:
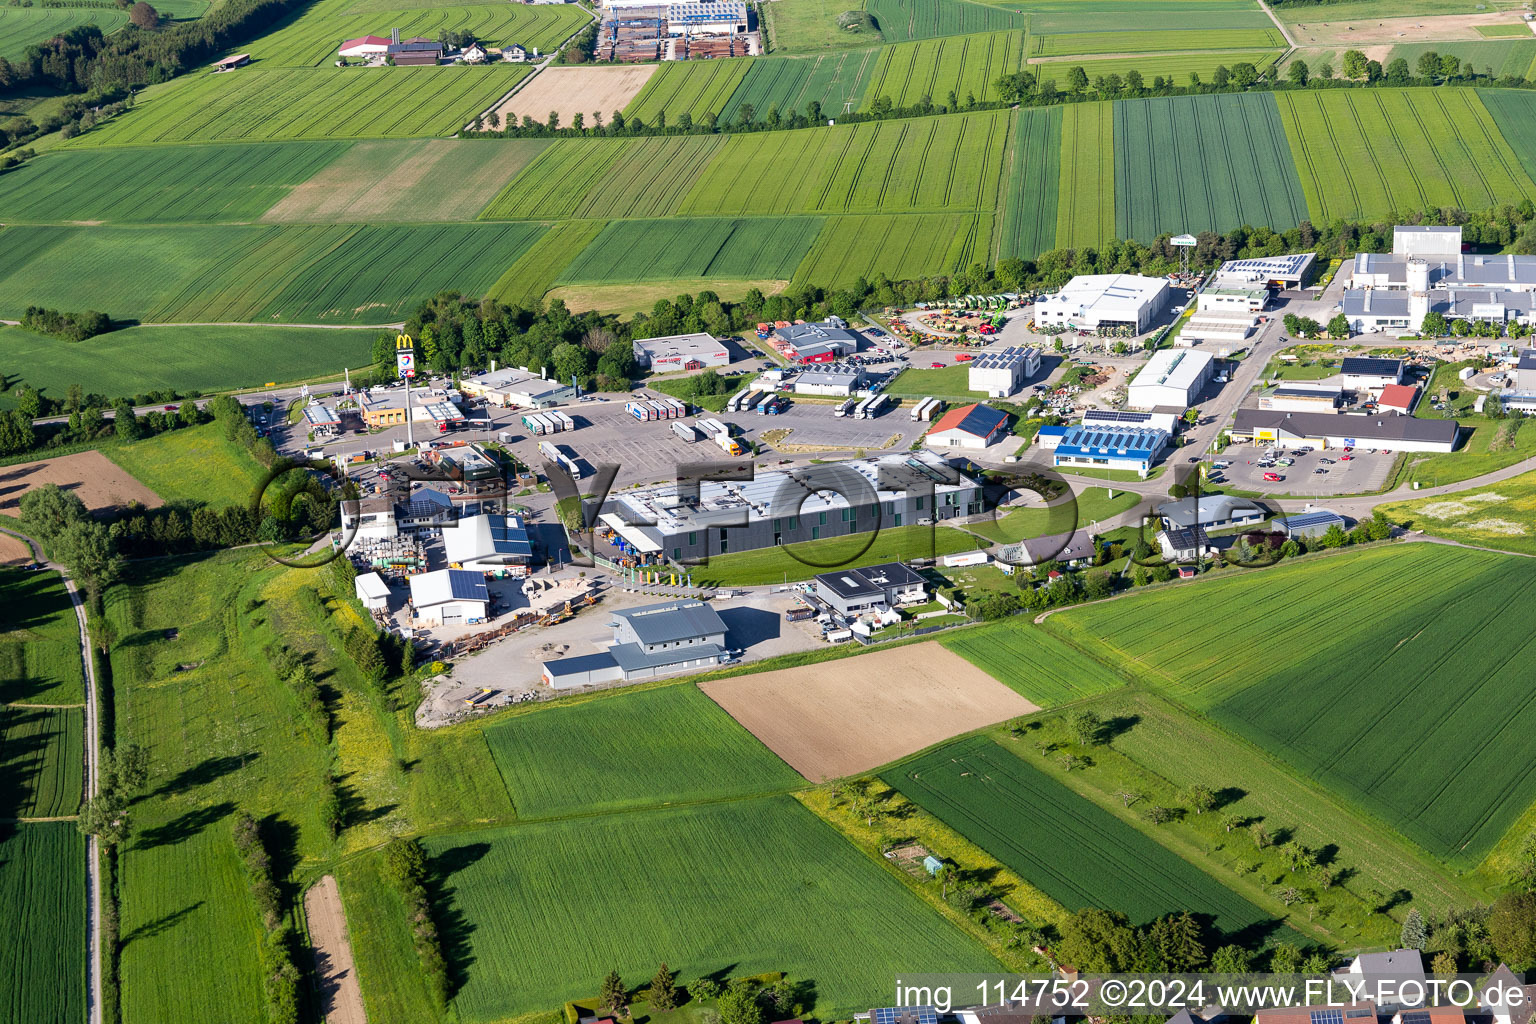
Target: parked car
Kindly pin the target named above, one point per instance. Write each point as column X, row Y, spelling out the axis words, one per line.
column 1345, row 458
column 964, row 357
column 936, row 366
column 1273, row 477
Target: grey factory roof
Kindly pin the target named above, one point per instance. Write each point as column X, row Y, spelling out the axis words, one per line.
column 873, row 579
column 1458, row 301
column 1467, row 270
column 1312, row 392
column 675, row 620
column 1527, row 359
column 1268, row 268
column 1375, row 302
column 1208, row 510
column 581, row 664
column 634, row 658
column 831, row 330
column 1383, row 428
column 830, row 377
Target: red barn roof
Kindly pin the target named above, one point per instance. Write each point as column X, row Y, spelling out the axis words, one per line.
column 975, row 419
column 1398, row 396
column 364, row 41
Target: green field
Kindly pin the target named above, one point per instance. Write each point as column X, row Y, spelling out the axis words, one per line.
column 664, row 250
column 1502, row 515
column 258, row 104
column 1177, row 66
column 1093, row 504
column 1514, row 115
column 534, row 272
column 1044, row 670
column 809, row 25
column 835, row 80
column 21, row 27
column 741, row 887
column 1151, row 40
column 1352, row 10
column 43, row 918
column 583, row 178
column 1366, row 153
column 1504, row 57
column 930, row 163
column 1515, row 29
column 1030, row 204
column 1085, row 209
column 900, row 246
column 965, row 66
column 259, row 273
column 670, row 745
column 312, row 38
column 1426, row 729
column 692, row 87
column 137, row 360
column 40, row 645
column 1073, row 850
column 773, row 565
column 1231, row 166
column 904, row 20
column 42, row 761
column 952, row 381
column 1049, row 17
column 193, row 464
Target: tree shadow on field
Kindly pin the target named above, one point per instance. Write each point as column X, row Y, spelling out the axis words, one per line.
column 1226, row 796
column 183, row 827
column 281, row 838
column 1117, row 726
column 354, row 806
column 210, row 769
column 453, row 928
column 149, row 929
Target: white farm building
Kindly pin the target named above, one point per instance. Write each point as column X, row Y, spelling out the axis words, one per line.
column 1172, row 379
column 1091, row 301
column 1002, row 372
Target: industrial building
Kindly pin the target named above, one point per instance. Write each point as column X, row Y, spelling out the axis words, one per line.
column 1522, row 397
column 372, row 591
column 1108, row 447
column 1227, row 328
column 489, row 543
column 822, row 342
column 1172, row 379
column 1232, row 299
column 1292, row 270
column 1091, row 301
column 680, row 352
column 386, row 515
column 968, row 426
column 365, row 46
column 450, row 597
column 1369, row 373
column 1309, row 523
column 518, row 388
column 1168, row 421
column 852, row 592
column 1427, row 271
column 648, row 642
column 1302, row 398
column 784, row 507
column 837, row 382
column 1389, row 431
column 1212, row 512
column 1002, row 372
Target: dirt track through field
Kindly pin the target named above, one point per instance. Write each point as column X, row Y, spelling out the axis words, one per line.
column 572, row 91
column 854, row 715
column 96, row 479
column 340, row 996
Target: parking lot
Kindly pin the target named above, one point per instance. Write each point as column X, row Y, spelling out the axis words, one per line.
column 1344, row 472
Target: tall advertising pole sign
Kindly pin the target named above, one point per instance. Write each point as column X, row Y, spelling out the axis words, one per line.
column 405, row 363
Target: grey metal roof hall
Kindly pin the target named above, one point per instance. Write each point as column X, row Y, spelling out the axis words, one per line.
column 872, row 579
column 673, row 621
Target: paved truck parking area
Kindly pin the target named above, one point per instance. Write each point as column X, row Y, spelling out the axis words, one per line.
column 1362, row 471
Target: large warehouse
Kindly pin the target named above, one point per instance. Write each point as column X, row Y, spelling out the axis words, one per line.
column 1392, row 432
column 1091, row 301
column 1172, row 379
column 1427, row 271
column 681, row 352
column 783, row 507
column 1002, row 372
column 1132, row 448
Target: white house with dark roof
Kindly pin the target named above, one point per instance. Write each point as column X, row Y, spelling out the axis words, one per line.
column 450, row 597
column 1212, row 512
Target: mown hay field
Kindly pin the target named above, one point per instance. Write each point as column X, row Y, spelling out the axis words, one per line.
column 1150, row 40
column 596, row 756
column 900, row 246
column 584, row 178
column 743, row 886
column 1085, row 207
column 1031, row 200
column 40, row 642
column 191, row 184
column 257, row 104
column 21, row 27
column 255, row 273
column 931, row 163
column 664, row 250
column 1367, row 153
column 1231, row 166
column 311, row 39
column 1196, row 17
column 591, row 90
column 1502, row 515
column 692, row 87
column 1174, row 66
column 43, row 918
column 966, row 67
column 904, row 20
column 1425, row 730
column 42, row 761
column 837, row 81
column 1074, row 851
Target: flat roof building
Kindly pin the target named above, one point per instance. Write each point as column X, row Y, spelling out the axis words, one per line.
column 322, row 419
column 852, row 592
column 1302, row 398
column 1172, row 379
column 840, row 383
column 707, row 17
column 968, row 426
column 388, row 409
column 1091, row 301
column 518, row 388
column 1130, row 418
column 680, row 352
column 1110, row 447
column 1002, row 372
column 450, row 597
column 1427, row 271
column 1390, row 431
column 821, row 342
column 1289, row 271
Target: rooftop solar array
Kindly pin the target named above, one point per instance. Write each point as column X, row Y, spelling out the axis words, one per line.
column 1306, row 519
column 1358, row 1011
column 1001, row 359
column 1327, row 1017
column 1368, row 364
column 1415, row 1017
column 1117, row 416
column 1106, row 439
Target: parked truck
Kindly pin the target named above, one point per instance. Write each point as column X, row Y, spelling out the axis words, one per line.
column 687, row 431
column 566, row 423
column 845, row 408
column 641, row 411
column 876, row 406
column 734, row 405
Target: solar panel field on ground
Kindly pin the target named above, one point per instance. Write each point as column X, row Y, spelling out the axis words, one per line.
column 965, row 66
column 1076, row 852
column 1034, row 177
column 664, row 250
column 1426, row 730
column 1368, row 152
column 1202, row 163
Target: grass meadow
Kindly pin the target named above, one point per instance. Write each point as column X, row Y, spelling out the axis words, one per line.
column 1502, row 515
column 741, row 887
column 689, row 87
column 1033, row 663
column 965, row 66
column 835, row 80
column 1075, row 851
column 1425, row 730
column 1093, row 503
column 665, row 250
column 1032, row 200
column 39, row 640
column 1366, row 153
column 194, row 464
column 1505, row 57
column 1232, row 166
column 266, row 103
column 773, row 565
column 43, row 918
column 591, row 757
column 21, row 27
column 1085, row 209
column 900, row 246
column 42, row 761
column 1198, row 17
column 1152, row 40
column 304, row 273
column 811, row 26
column 137, row 360
column 904, row 20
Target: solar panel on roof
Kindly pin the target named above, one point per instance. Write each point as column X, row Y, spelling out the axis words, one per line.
column 1327, row 1017
column 927, row 1015
column 1358, row 1012
column 1306, row 519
